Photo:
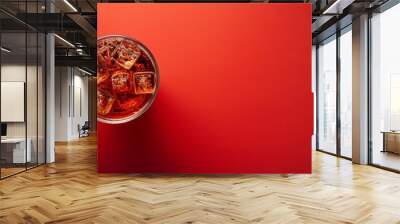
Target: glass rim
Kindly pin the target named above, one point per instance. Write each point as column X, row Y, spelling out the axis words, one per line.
column 149, row 102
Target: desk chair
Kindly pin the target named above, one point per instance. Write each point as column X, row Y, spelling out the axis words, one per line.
column 84, row 130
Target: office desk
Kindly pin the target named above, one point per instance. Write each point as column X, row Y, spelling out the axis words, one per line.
column 13, row 150
column 391, row 141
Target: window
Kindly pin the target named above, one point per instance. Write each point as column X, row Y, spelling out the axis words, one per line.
column 334, row 106
column 385, row 89
column 346, row 93
column 327, row 95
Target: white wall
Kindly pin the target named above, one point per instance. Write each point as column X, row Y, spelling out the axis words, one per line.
column 16, row 72
column 61, row 103
column 71, row 102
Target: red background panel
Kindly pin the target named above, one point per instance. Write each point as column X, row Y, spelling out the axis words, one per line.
column 235, row 89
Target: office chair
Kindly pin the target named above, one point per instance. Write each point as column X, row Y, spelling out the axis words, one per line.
column 84, row 130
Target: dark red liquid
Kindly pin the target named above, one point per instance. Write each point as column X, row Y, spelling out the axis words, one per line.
column 125, row 78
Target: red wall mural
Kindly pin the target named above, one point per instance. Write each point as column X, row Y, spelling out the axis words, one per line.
column 234, row 93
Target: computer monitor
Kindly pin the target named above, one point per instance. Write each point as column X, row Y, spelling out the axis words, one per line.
column 3, row 129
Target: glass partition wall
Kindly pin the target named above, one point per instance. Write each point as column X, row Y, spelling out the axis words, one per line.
column 334, row 93
column 385, row 89
column 22, row 77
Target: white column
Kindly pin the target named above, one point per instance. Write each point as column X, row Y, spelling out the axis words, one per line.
column 314, row 88
column 62, row 103
column 360, row 90
column 50, row 94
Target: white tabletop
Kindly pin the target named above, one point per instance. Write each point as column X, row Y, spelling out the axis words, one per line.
column 13, row 140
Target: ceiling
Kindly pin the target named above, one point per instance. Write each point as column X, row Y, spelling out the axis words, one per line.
column 76, row 22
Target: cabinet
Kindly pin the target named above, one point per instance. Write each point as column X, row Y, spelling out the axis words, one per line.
column 391, row 142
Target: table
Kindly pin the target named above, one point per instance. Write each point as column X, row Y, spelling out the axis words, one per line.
column 391, row 141
column 13, row 150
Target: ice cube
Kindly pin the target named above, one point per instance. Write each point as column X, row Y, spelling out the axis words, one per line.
column 105, row 101
column 144, row 83
column 122, row 81
column 126, row 56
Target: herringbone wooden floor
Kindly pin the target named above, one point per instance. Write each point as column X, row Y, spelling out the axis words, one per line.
column 71, row 191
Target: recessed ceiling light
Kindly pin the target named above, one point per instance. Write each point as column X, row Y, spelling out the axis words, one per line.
column 337, row 7
column 64, row 40
column 84, row 71
column 70, row 5
column 5, row 50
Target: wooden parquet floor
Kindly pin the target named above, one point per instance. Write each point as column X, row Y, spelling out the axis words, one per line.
column 71, row 191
